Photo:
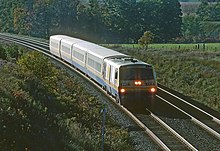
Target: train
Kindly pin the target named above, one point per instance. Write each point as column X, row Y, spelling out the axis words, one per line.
column 130, row 81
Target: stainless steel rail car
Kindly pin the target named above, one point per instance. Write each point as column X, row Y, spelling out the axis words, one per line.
column 129, row 80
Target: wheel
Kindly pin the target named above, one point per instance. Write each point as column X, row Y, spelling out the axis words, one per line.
column 118, row 100
column 106, row 90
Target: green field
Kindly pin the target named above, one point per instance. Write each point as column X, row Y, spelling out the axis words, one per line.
column 182, row 47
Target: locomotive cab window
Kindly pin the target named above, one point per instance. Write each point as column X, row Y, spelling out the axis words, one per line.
column 136, row 73
column 116, row 74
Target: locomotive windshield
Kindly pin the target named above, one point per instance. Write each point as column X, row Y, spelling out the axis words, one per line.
column 136, row 73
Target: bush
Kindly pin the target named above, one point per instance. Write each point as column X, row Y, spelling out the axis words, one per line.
column 44, row 108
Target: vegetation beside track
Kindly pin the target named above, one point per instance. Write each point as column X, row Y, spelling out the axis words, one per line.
column 193, row 72
column 179, row 47
column 44, row 108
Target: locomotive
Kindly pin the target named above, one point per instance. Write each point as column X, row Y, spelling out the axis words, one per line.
column 129, row 80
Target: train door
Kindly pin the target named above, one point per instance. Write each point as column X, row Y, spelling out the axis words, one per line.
column 104, row 70
column 59, row 48
column 114, row 77
column 107, row 73
column 86, row 59
column 111, row 79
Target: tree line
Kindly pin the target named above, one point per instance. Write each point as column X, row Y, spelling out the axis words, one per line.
column 102, row 21
column 204, row 25
column 110, row 21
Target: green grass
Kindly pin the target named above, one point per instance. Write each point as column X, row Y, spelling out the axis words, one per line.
column 182, row 47
column 187, row 47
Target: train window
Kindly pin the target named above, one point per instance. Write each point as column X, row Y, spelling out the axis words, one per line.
column 78, row 55
column 95, row 65
column 66, row 49
column 136, row 73
column 116, row 74
column 91, row 62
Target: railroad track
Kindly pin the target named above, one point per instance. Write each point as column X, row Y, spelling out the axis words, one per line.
column 200, row 117
column 157, row 129
column 164, row 135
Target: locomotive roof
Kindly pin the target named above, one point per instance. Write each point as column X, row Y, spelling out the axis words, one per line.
column 124, row 61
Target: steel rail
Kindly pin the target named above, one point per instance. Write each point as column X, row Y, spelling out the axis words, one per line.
column 25, row 38
column 184, row 141
column 213, row 118
column 196, row 121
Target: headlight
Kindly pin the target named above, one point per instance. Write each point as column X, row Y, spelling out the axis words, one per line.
column 137, row 83
column 122, row 90
column 152, row 90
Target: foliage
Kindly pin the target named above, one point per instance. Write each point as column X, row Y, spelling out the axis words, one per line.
column 209, row 12
column 212, row 30
column 11, row 52
column 110, row 21
column 146, row 39
column 191, row 26
column 2, row 52
column 203, row 25
column 44, row 108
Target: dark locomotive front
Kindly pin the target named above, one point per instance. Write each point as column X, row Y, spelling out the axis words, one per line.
column 137, row 85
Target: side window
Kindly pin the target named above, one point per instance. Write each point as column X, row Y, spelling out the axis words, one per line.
column 116, row 77
column 116, row 74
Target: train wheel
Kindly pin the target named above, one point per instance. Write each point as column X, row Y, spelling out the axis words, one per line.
column 118, row 100
column 106, row 90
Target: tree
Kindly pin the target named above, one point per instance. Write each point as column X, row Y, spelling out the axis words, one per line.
column 169, row 20
column 114, row 21
column 122, row 20
column 146, row 39
column 2, row 53
column 162, row 17
column 6, row 16
column 20, row 23
column 214, row 12
column 191, row 25
column 203, row 11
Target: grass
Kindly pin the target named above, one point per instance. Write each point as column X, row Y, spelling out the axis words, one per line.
column 177, row 47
